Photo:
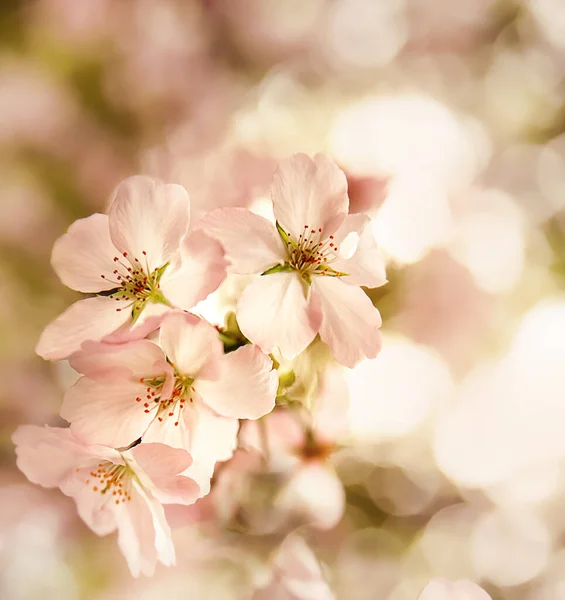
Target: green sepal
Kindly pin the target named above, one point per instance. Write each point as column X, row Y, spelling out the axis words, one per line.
column 285, row 237
column 136, row 310
column 158, row 273
column 286, row 268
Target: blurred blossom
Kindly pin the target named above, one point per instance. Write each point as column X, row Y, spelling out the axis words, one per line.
column 34, row 525
column 450, row 527
column 549, row 16
column 443, row 307
column 513, row 407
column 296, row 574
column 408, row 135
column 267, row 31
column 551, row 174
column 521, row 91
column 447, row 26
column 34, row 109
column 510, row 548
column 370, row 556
column 393, row 394
column 363, row 34
column 489, row 239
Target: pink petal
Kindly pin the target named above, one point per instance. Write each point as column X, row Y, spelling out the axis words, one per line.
column 246, row 387
column 96, row 510
column 169, row 429
column 192, row 345
column 144, row 536
column 251, row 242
column 285, row 433
column 162, row 464
column 442, row 589
column 309, row 192
column 46, row 455
column 100, row 360
column 213, row 438
column 159, row 460
column 148, row 321
column 82, row 255
column 350, row 322
column 107, row 412
column 314, row 494
column 273, row 312
column 148, row 219
column 200, row 271
column 90, row 319
column 366, row 266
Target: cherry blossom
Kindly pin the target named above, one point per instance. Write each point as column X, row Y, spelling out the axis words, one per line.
column 186, row 392
column 312, row 264
column 113, row 489
column 442, row 589
column 295, row 574
column 139, row 258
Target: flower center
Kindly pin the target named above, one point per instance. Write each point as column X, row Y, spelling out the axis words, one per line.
column 136, row 284
column 167, row 406
column 111, row 480
column 312, row 252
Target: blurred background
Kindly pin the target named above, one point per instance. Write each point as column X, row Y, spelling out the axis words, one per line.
column 449, row 121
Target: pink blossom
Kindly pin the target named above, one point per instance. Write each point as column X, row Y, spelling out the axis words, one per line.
column 312, row 264
column 186, row 392
column 295, row 575
column 311, row 492
column 441, row 589
column 141, row 257
column 113, row 489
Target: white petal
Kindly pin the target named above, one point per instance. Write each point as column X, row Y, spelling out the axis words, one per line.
column 191, row 344
column 91, row 319
column 246, row 387
column 148, row 219
column 199, row 270
column 274, row 312
column 108, row 413
column 83, row 258
column 251, row 242
column 309, row 192
column 365, row 266
column 350, row 322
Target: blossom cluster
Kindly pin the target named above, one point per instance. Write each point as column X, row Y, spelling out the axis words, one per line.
column 164, row 395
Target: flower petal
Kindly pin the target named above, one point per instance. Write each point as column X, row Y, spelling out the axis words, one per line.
column 46, row 455
column 148, row 321
column 108, row 412
column 148, row 219
column 309, row 192
column 366, row 266
column 213, row 439
column 102, row 361
column 192, row 345
column 83, row 257
column 273, row 312
column 442, row 589
column 90, row 319
column 198, row 273
column 350, row 322
column 314, row 494
column 144, row 535
column 162, row 464
column 251, row 242
column 246, row 387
